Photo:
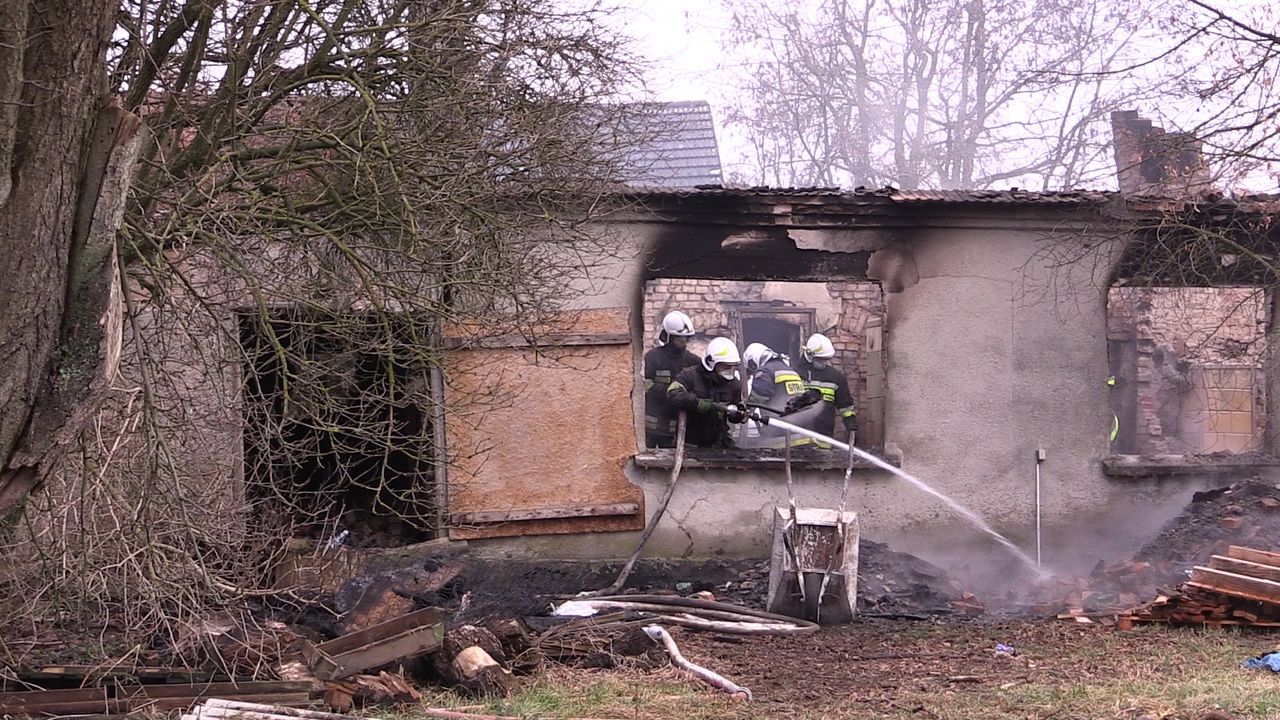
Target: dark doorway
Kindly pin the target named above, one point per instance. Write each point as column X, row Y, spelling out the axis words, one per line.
column 337, row 432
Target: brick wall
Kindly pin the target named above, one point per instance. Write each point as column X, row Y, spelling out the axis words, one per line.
column 1173, row 344
column 842, row 310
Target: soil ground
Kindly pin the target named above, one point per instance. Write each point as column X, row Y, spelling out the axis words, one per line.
column 922, row 670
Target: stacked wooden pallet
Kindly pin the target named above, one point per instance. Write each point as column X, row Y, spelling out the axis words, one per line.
column 1241, row 587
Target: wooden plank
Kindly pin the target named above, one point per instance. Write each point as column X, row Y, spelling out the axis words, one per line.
column 288, row 712
column 182, row 703
column 545, row 340
column 544, row 513
column 1243, row 586
column 1244, row 567
column 60, row 702
column 1261, row 557
column 46, row 696
column 383, row 631
column 81, row 672
column 409, row 636
column 1232, row 623
column 408, row 644
column 224, row 689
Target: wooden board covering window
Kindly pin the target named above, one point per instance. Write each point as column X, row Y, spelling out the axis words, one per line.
column 532, row 430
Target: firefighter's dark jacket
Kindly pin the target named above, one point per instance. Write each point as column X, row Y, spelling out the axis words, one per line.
column 836, row 398
column 774, row 384
column 695, row 389
column 661, row 365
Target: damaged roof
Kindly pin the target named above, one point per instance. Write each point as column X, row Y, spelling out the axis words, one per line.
column 1012, row 196
column 1257, row 203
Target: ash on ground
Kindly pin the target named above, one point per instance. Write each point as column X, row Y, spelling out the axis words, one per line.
column 487, row 589
column 889, row 583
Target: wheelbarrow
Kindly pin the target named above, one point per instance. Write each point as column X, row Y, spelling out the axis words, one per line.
column 813, row 571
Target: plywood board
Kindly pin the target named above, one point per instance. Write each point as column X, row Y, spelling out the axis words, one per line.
column 533, row 430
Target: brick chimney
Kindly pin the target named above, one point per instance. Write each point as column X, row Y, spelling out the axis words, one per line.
column 1150, row 161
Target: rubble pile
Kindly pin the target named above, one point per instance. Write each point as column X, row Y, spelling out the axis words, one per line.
column 381, row 623
column 1202, row 540
column 1245, row 513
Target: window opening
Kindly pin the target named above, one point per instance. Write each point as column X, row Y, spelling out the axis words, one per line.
column 1188, row 369
column 782, row 315
column 338, row 432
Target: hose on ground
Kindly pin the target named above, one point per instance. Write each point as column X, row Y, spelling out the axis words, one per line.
column 703, row 614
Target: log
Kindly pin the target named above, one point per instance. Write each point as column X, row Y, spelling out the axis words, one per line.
column 459, row 639
column 517, row 645
column 480, row 674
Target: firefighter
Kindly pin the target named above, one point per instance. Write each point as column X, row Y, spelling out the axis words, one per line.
column 710, row 392
column 819, row 375
column 661, row 365
column 772, row 384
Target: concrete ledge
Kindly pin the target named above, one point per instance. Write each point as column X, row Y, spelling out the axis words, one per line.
column 1152, row 465
column 755, row 458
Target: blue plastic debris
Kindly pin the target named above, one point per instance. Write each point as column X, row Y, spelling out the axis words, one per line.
column 1001, row 647
column 1270, row 661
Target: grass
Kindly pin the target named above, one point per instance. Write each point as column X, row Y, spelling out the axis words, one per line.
column 1155, row 672
column 562, row 693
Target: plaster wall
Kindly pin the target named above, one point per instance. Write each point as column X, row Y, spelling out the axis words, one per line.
column 991, row 355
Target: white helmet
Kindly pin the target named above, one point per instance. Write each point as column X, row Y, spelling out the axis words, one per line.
column 675, row 323
column 756, row 355
column 720, row 350
column 817, row 346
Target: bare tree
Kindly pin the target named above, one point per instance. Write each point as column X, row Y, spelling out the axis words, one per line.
column 956, row 94
column 1222, row 63
column 333, row 191
column 66, row 154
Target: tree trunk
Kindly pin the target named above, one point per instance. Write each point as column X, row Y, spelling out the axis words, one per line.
column 67, row 154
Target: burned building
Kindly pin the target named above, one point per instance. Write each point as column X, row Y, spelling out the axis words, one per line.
column 976, row 327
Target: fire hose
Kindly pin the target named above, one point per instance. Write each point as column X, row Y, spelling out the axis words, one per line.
column 695, row 613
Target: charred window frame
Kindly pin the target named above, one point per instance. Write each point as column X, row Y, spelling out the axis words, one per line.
column 1194, row 393
column 783, row 325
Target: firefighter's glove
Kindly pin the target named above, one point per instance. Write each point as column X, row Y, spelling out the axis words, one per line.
column 802, row 401
column 850, row 423
column 735, row 413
